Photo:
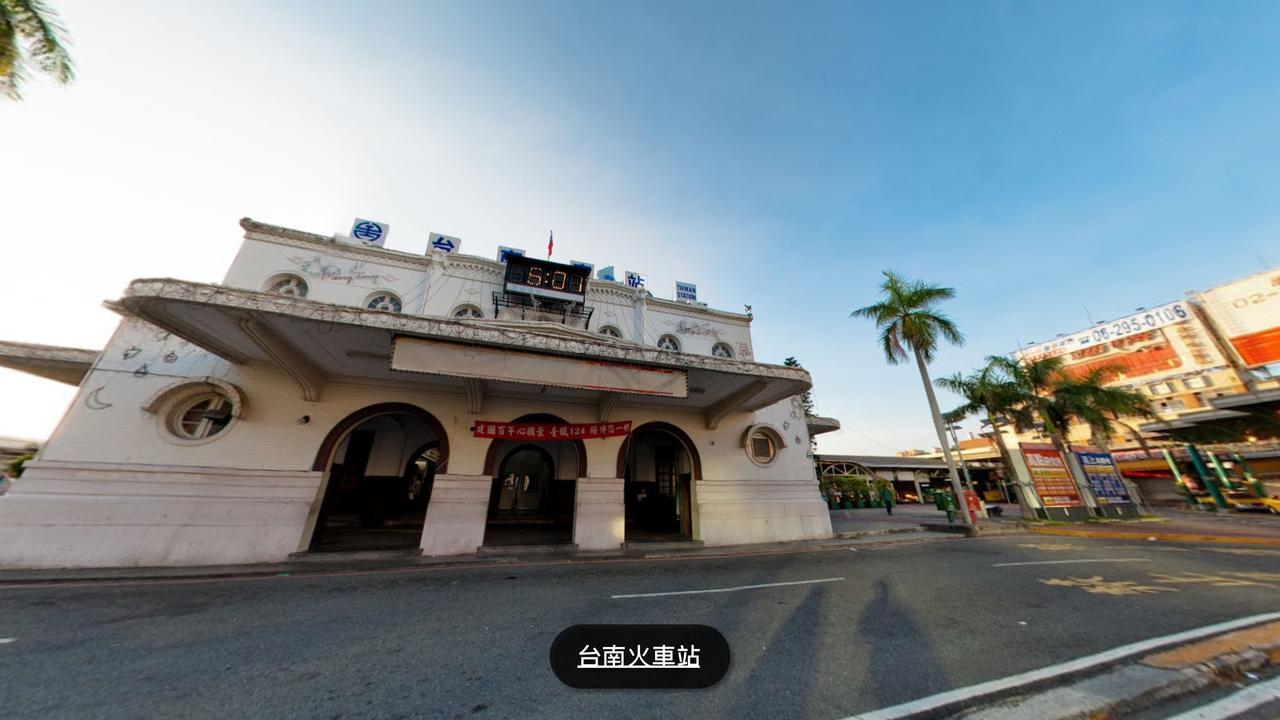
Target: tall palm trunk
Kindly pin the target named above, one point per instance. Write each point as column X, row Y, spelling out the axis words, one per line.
column 942, row 440
column 1007, row 460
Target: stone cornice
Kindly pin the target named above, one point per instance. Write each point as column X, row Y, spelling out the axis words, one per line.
column 299, row 239
column 143, row 294
column 595, row 288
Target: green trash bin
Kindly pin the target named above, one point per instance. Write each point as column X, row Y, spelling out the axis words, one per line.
column 946, row 502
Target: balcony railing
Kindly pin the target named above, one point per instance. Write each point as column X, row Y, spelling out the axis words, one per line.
column 527, row 307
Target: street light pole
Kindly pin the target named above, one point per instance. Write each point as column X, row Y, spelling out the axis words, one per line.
column 968, row 480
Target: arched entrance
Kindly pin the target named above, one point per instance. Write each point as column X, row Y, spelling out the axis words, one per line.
column 380, row 464
column 531, row 501
column 659, row 464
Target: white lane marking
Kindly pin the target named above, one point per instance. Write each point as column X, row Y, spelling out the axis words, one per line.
column 1068, row 562
column 6, row 641
column 1235, row 704
column 933, row 702
column 729, row 589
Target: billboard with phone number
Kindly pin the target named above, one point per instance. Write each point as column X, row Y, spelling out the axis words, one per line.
column 1162, row 341
column 1247, row 313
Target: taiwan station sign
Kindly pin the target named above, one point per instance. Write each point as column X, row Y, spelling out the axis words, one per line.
column 550, row 431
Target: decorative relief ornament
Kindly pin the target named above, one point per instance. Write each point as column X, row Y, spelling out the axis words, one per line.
column 93, row 402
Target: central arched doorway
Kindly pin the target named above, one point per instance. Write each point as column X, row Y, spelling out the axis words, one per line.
column 380, row 465
column 531, row 501
column 659, row 465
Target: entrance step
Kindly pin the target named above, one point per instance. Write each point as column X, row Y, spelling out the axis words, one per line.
column 354, row 555
column 661, row 546
column 557, row 549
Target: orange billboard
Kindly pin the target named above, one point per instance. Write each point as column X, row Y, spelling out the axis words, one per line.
column 1247, row 313
column 1151, row 344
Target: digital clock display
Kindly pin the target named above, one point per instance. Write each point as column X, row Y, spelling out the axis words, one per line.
column 546, row 279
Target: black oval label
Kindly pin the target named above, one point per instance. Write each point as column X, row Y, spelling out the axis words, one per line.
column 640, row 656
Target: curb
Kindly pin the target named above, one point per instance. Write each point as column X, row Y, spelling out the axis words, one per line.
column 851, row 534
column 1017, row 690
column 19, row 578
column 1141, row 685
column 1160, row 536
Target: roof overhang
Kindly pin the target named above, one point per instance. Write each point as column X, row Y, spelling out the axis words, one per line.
column 64, row 364
column 1242, row 400
column 818, row 424
column 315, row 343
column 1190, row 420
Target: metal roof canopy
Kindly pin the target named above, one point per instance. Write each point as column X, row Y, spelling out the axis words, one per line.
column 315, row 343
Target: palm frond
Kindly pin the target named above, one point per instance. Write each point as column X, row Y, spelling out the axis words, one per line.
column 40, row 24
column 11, row 75
column 907, row 320
column 36, row 24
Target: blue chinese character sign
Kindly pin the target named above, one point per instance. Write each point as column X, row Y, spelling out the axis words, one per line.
column 444, row 243
column 634, row 279
column 504, row 251
column 370, row 232
column 686, row 292
column 1104, row 479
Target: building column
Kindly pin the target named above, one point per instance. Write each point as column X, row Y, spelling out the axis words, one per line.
column 456, row 515
column 599, row 514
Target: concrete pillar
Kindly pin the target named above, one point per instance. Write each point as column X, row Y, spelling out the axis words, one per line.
column 599, row 514
column 456, row 515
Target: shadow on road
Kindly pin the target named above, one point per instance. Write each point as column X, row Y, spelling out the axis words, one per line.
column 788, row 664
column 897, row 647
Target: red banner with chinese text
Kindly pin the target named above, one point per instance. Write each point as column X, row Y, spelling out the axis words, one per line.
column 550, row 431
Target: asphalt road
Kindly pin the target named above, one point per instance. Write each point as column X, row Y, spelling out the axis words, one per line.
column 907, row 620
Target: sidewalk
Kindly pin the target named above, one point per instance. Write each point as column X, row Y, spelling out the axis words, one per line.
column 1179, row 525
column 381, row 562
column 914, row 516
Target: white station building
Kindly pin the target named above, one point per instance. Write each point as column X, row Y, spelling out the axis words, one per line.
column 335, row 396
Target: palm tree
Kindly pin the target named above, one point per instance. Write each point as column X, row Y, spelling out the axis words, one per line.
column 911, row 325
column 31, row 35
column 991, row 391
column 1058, row 400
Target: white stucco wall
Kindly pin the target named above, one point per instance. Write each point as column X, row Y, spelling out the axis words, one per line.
column 112, row 487
column 437, row 284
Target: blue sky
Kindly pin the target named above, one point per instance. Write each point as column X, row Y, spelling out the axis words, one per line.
column 1039, row 157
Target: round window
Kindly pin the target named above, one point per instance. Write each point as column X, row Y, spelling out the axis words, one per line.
column 288, row 285
column 468, row 311
column 762, row 448
column 611, row 331
column 384, row 302
column 722, row 350
column 201, row 416
column 669, row 343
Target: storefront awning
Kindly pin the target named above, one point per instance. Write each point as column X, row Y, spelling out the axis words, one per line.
column 317, row 343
